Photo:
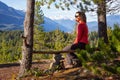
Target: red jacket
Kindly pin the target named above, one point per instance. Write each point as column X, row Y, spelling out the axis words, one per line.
column 81, row 33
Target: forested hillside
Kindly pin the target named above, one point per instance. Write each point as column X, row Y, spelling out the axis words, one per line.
column 11, row 42
column 102, row 60
column 10, row 46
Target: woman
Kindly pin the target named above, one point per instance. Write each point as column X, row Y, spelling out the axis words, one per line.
column 80, row 42
column 81, row 38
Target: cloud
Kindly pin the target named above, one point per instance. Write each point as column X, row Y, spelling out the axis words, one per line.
column 58, row 17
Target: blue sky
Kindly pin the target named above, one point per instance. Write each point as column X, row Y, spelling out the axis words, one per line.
column 52, row 13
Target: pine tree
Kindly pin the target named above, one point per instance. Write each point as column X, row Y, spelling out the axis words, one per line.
column 59, row 40
column 27, row 48
column 38, row 28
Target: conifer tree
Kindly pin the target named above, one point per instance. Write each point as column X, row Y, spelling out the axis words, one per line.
column 101, row 7
column 59, row 40
column 38, row 28
column 27, row 48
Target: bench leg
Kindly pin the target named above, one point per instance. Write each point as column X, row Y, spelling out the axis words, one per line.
column 58, row 62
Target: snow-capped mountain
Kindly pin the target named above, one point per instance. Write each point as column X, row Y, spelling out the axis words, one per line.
column 12, row 19
column 50, row 25
column 93, row 25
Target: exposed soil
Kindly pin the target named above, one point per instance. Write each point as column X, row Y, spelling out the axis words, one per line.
column 10, row 72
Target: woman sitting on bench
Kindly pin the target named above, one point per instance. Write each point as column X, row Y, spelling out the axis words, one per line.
column 80, row 41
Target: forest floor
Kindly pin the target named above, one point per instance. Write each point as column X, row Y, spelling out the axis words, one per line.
column 10, row 72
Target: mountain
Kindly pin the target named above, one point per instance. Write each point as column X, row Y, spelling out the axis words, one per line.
column 93, row 25
column 12, row 19
column 50, row 25
column 70, row 24
column 113, row 19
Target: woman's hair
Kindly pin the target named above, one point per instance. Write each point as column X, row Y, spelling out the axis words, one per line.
column 82, row 15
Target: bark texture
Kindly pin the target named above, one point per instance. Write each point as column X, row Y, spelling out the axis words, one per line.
column 102, row 24
column 27, row 48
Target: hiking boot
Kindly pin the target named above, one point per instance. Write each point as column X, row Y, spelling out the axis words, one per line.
column 76, row 63
column 68, row 66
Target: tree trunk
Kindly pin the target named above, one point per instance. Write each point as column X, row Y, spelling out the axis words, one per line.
column 27, row 47
column 102, row 24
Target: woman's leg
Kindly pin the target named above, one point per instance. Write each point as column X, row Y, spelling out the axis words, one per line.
column 69, row 56
column 58, row 57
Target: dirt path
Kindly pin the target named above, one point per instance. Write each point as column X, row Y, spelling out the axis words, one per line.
column 9, row 71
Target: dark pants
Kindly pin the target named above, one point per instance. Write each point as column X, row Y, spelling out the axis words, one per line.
column 71, row 56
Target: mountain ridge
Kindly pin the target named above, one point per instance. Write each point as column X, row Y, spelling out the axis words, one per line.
column 12, row 19
column 93, row 25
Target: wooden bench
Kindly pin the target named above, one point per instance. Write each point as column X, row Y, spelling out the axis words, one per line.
column 62, row 61
column 52, row 52
column 57, row 52
column 53, row 64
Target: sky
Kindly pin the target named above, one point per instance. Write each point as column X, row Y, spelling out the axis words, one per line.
column 52, row 13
